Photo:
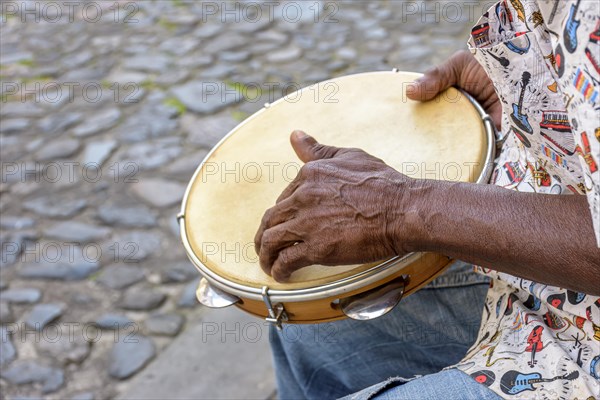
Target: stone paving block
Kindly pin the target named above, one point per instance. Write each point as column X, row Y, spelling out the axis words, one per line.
column 55, row 206
column 98, row 152
column 98, row 122
column 42, row 314
column 68, row 264
column 73, row 231
column 188, row 297
column 159, row 192
column 121, row 276
column 139, row 299
column 14, row 222
column 129, row 355
column 21, row 296
column 135, row 245
column 127, row 215
column 147, row 63
column 6, row 313
column 14, row 125
column 26, row 372
column 164, row 324
column 58, row 149
column 67, row 348
column 58, row 122
column 204, row 97
column 151, row 154
column 7, row 350
column 112, row 321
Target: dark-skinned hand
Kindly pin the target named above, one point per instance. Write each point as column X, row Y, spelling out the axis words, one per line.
column 341, row 207
column 335, row 212
column 462, row 71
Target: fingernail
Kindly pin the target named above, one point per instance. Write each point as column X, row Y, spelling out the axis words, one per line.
column 300, row 134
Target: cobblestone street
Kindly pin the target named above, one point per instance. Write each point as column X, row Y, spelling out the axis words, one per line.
column 102, row 129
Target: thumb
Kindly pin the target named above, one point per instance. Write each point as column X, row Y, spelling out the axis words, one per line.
column 436, row 80
column 308, row 149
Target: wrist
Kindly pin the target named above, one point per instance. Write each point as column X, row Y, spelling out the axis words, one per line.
column 414, row 203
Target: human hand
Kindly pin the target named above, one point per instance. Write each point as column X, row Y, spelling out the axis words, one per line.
column 462, row 71
column 337, row 211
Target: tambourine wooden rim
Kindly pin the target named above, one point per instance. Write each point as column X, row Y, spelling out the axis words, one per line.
column 370, row 276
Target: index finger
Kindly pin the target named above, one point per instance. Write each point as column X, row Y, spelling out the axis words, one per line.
column 279, row 213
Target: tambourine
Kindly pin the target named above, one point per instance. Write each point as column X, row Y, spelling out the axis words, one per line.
column 449, row 138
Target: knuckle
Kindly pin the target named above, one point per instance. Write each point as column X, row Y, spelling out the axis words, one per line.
column 434, row 71
column 437, row 70
column 309, row 169
column 267, row 216
column 311, row 166
column 302, row 195
column 257, row 241
column 291, row 256
column 284, row 258
column 268, row 240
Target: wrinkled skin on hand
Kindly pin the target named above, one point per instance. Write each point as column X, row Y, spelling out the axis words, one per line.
column 335, row 212
column 461, row 70
column 341, row 207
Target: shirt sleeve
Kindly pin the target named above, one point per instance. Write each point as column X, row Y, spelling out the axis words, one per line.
column 575, row 29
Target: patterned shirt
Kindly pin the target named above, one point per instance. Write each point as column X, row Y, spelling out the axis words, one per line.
column 538, row 341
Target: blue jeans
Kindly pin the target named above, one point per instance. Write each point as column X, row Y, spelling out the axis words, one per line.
column 448, row 384
column 426, row 332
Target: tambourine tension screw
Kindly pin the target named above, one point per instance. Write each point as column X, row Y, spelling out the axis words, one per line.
column 277, row 313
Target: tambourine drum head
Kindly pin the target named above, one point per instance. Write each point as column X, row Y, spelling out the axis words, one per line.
column 440, row 139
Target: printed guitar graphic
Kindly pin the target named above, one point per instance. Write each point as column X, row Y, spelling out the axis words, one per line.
column 520, row 11
column 504, row 16
column 502, row 60
column 571, row 27
column 501, row 17
column 517, row 115
column 535, row 344
column 514, row 382
column 595, row 367
column 553, row 12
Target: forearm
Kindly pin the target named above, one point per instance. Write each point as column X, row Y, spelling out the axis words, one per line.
column 544, row 238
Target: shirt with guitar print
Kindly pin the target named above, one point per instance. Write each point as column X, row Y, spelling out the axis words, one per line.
column 538, row 341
